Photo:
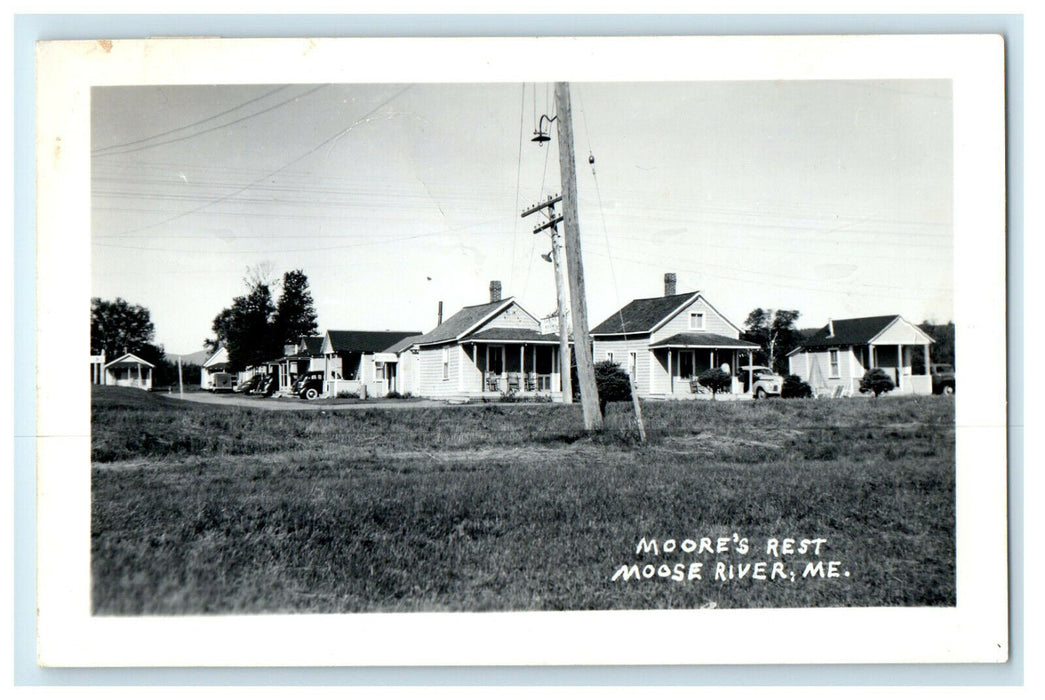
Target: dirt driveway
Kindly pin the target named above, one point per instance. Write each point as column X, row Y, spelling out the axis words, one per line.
column 272, row 404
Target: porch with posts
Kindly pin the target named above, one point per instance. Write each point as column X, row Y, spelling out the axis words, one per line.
column 523, row 368
column 676, row 370
column 906, row 365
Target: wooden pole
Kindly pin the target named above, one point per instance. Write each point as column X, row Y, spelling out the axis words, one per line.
column 574, row 264
column 181, row 386
column 563, row 307
column 635, row 399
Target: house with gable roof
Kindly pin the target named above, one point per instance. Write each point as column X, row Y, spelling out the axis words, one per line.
column 834, row 359
column 214, row 374
column 126, row 370
column 666, row 342
column 298, row 358
column 359, row 362
column 488, row 349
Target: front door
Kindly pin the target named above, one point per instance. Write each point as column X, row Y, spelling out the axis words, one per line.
column 494, row 365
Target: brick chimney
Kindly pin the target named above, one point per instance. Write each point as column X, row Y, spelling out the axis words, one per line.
column 439, row 322
column 495, row 290
column 669, row 284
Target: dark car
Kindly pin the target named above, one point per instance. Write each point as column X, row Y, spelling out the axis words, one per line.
column 309, row 385
column 266, row 387
column 943, row 379
column 250, row 385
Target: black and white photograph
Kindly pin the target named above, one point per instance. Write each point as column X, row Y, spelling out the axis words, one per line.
column 482, row 345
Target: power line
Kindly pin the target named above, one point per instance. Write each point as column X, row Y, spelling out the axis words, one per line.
column 283, row 167
column 271, row 250
column 115, row 150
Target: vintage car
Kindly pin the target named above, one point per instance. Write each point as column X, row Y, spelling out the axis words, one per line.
column 308, row 385
column 943, row 378
column 764, row 381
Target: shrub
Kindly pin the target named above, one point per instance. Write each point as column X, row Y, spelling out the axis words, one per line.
column 715, row 380
column 876, row 381
column 348, row 395
column 509, row 396
column 612, row 382
column 794, row 388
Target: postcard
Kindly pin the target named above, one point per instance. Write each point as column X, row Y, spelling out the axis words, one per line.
column 528, row 351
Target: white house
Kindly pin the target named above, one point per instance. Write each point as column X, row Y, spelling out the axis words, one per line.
column 214, row 375
column 405, row 374
column 360, row 361
column 486, row 350
column 836, row 357
column 128, row 370
column 666, row 342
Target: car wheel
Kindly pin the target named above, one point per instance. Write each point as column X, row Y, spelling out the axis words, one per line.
column 947, row 390
column 311, row 393
column 760, row 393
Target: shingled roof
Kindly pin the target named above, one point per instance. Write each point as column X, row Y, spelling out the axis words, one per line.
column 849, row 331
column 526, row 335
column 642, row 315
column 702, row 340
column 366, row 341
column 313, row 345
column 403, row 344
column 461, row 321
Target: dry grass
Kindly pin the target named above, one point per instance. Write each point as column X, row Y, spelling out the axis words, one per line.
column 510, row 507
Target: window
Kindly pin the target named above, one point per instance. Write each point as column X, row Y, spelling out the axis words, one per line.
column 696, row 321
column 833, row 356
column 379, row 371
column 446, row 363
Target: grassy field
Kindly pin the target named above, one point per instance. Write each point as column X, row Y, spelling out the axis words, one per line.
column 212, row 509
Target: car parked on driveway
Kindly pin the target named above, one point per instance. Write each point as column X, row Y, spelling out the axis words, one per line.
column 308, row 385
column 943, row 378
column 764, row 382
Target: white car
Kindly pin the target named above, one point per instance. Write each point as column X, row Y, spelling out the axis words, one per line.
column 764, row 381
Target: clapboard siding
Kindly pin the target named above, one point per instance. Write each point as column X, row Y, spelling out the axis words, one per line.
column 431, row 371
column 713, row 323
column 513, row 317
column 620, row 348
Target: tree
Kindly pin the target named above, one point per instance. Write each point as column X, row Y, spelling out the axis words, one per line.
column 775, row 333
column 715, row 380
column 876, row 381
column 245, row 329
column 943, row 349
column 295, row 311
column 221, row 326
column 119, row 326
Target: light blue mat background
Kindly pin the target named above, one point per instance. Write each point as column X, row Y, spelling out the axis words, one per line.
column 31, row 28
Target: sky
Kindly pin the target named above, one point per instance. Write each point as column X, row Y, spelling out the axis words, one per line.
column 830, row 197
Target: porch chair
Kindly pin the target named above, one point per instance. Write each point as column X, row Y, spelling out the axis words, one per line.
column 514, row 381
column 492, row 380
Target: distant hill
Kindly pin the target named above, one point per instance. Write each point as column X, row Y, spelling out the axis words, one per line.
column 193, row 358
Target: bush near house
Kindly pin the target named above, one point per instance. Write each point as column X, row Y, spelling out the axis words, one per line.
column 876, row 381
column 715, row 380
column 794, row 388
column 612, row 382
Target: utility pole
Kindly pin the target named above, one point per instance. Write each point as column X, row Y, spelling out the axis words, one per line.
column 574, row 264
column 560, row 290
column 181, row 386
